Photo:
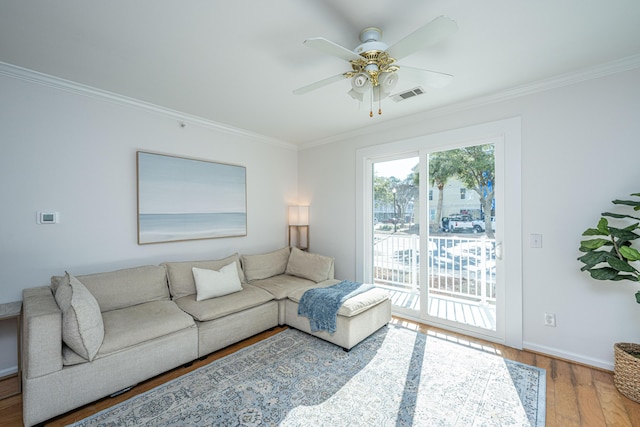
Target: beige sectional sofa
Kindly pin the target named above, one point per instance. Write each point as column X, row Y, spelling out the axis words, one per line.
column 87, row 337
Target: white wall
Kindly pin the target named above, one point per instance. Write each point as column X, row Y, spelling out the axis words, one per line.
column 580, row 150
column 76, row 154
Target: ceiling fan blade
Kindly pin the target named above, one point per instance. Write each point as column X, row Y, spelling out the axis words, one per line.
column 432, row 33
column 318, row 84
column 331, row 48
column 432, row 79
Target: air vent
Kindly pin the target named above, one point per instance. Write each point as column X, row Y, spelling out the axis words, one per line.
column 407, row 94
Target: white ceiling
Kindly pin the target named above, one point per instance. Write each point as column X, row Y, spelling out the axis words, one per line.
column 237, row 62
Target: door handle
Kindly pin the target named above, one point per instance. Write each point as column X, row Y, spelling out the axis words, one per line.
column 499, row 250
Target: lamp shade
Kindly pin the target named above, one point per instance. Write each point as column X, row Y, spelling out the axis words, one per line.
column 298, row 215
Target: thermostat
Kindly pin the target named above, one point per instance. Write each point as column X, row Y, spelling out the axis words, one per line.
column 47, row 217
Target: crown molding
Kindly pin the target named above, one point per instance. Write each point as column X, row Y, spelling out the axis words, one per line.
column 589, row 73
column 31, row 76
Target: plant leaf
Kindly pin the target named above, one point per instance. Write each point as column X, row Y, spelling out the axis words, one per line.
column 593, row 258
column 617, row 215
column 604, row 273
column 631, row 227
column 626, row 202
column 594, row 243
column 630, row 253
column 595, row 232
column 608, row 273
column 623, row 234
column 628, row 277
column 620, row 265
column 603, row 226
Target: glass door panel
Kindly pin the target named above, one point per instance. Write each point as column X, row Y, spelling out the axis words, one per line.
column 461, row 272
column 396, row 232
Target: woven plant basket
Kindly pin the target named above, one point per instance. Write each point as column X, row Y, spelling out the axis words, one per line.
column 626, row 371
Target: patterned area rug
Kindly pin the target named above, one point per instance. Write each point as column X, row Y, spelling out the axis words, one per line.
column 396, row 377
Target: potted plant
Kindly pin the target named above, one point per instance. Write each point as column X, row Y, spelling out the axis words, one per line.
column 609, row 255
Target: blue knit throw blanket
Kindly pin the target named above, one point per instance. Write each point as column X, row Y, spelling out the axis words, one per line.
column 321, row 305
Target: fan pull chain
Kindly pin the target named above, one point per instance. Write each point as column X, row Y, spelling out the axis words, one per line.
column 379, row 102
column 371, row 103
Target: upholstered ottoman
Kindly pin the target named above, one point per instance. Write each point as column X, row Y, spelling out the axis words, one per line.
column 358, row 317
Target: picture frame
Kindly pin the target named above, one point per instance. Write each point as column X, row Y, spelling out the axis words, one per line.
column 182, row 198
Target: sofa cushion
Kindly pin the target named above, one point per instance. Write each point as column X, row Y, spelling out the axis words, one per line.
column 214, row 308
column 309, row 266
column 180, row 274
column 124, row 288
column 129, row 326
column 262, row 266
column 354, row 305
column 281, row 286
column 211, row 283
column 82, row 327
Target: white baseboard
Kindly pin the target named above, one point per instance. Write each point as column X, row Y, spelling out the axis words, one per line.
column 8, row 371
column 598, row 363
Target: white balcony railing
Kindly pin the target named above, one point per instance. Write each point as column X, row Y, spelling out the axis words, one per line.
column 458, row 267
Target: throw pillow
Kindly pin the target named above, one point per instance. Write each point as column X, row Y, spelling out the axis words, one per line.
column 211, row 283
column 180, row 274
column 82, row 326
column 266, row 265
column 309, row 266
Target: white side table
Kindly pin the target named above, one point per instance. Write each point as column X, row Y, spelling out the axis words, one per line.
column 13, row 310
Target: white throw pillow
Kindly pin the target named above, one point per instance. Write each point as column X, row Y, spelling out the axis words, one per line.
column 82, row 326
column 211, row 283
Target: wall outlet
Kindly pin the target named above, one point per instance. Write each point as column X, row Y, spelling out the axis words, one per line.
column 550, row 320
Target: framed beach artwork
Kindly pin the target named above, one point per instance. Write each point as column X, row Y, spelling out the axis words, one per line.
column 188, row 199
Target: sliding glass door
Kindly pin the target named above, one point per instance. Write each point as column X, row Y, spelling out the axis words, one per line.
column 459, row 282
column 434, row 235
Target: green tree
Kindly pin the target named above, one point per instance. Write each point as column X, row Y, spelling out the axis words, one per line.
column 441, row 168
column 382, row 190
column 475, row 167
column 405, row 192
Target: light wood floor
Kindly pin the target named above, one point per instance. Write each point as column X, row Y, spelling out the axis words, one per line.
column 577, row 395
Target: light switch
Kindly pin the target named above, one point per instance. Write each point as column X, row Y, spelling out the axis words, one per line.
column 535, row 240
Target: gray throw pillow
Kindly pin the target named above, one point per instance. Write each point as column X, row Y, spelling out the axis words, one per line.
column 82, row 326
column 263, row 266
column 309, row 266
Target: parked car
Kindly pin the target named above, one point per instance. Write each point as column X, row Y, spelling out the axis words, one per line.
column 480, row 225
column 462, row 223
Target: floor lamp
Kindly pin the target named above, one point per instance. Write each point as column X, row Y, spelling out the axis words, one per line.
column 299, row 224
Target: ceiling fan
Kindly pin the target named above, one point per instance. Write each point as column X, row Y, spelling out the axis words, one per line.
column 374, row 71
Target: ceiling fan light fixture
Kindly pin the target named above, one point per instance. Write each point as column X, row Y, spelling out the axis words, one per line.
column 387, row 82
column 360, row 82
